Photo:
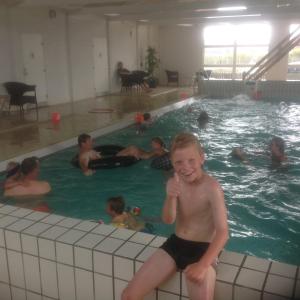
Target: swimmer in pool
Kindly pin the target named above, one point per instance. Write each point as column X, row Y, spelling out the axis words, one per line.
column 203, row 119
column 119, row 218
column 239, row 153
column 86, row 153
column 277, row 149
column 13, row 175
column 157, row 145
column 29, row 183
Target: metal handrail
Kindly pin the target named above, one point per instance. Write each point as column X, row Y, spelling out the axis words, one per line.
column 283, row 47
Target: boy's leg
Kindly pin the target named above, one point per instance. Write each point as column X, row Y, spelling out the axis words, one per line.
column 204, row 291
column 153, row 272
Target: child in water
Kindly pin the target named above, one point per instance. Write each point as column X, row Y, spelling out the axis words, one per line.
column 115, row 208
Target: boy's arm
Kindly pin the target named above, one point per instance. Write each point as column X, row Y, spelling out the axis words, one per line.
column 170, row 205
column 83, row 162
column 196, row 272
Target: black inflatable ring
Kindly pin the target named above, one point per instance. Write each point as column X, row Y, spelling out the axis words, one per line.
column 108, row 159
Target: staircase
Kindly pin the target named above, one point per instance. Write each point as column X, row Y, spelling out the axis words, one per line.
column 269, row 60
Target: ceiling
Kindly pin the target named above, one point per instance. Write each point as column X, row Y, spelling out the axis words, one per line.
column 168, row 11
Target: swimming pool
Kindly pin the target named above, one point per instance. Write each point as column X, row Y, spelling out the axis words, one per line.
column 263, row 202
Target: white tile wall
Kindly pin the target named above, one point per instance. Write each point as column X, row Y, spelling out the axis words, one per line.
column 109, row 245
column 83, row 258
column 32, row 273
column 90, row 240
column 66, row 282
column 123, row 234
column 64, row 253
column 33, row 296
column 37, row 216
column 5, row 291
column 86, row 226
column 103, row 287
column 102, row 263
column 120, row 285
column 3, row 266
column 29, row 244
column 18, row 294
column 49, row 278
column 104, row 229
column 68, row 222
column 13, row 240
column 167, row 296
column 123, row 268
column 46, row 249
column 130, row 250
column 2, row 240
column 84, row 285
column 16, row 271
column 53, row 219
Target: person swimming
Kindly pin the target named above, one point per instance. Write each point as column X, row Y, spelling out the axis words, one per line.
column 157, row 145
column 203, row 119
column 277, row 148
column 240, row 154
column 13, row 175
column 86, row 153
column 115, row 208
column 29, row 184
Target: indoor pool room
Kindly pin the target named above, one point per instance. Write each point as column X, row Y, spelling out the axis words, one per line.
column 150, row 150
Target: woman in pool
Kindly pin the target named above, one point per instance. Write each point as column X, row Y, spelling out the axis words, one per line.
column 157, row 145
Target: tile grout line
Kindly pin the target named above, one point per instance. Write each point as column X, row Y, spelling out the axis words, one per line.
column 7, row 264
column 265, row 281
column 236, row 277
column 295, row 283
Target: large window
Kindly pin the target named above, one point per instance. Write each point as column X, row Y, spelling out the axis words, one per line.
column 294, row 57
column 232, row 49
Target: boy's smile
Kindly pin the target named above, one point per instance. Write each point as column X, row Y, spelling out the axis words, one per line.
column 187, row 163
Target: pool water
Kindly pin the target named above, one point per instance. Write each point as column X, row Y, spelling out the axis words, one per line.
column 263, row 201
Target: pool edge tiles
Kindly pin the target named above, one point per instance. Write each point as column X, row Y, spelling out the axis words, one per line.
column 122, row 123
column 83, row 261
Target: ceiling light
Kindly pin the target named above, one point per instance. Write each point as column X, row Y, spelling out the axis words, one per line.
column 232, row 8
column 185, row 25
column 111, row 15
column 283, row 5
column 234, row 16
column 144, row 20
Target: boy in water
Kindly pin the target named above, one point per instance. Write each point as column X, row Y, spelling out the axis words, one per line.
column 13, row 175
column 119, row 218
column 29, row 184
column 277, row 147
column 86, row 153
column 157, row 145
column 196, row 201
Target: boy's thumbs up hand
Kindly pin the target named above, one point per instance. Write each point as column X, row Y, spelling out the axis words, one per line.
column 173, row 187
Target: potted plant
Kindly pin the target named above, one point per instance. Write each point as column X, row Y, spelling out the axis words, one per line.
column 152, row 63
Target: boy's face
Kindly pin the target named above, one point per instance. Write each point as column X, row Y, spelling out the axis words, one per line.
column 155, row 146
column 188, row 163
column 109, row 211
column 88, row 144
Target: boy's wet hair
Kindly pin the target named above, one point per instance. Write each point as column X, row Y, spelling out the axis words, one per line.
column 183, row 140
column 29, row 164
column 158, row 140
column 83, row 138
column 147, row 116
column 116, row 204
column 203, row 117
column 279, row 142
column 12, row 169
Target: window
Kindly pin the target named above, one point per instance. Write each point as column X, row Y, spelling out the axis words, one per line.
column 294, row 58
column 235, row 48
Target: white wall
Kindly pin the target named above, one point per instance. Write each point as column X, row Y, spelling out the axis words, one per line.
column 82, row 31
column 280, row 29
column 5, row 53
column 180, row 50
column 23, row 21
column 122, row 47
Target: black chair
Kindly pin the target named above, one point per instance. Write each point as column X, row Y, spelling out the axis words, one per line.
column 139, row 79
column 126, row 81
column 173, row 77
column 16, row 91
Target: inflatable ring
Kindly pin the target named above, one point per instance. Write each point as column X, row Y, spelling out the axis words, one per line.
column 162, row 162
column 108, row 159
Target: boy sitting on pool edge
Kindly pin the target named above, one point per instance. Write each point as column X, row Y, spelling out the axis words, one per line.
column 196, row 201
